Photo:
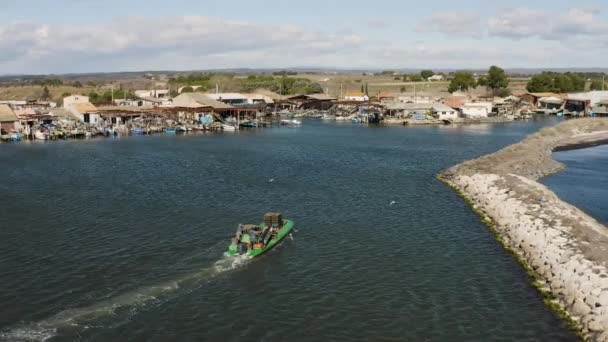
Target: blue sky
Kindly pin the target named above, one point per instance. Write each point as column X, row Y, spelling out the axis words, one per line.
column 59, row 36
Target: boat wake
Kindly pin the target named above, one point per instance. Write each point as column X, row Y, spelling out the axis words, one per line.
column 84, row 317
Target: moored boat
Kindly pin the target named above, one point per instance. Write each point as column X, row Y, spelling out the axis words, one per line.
column 39, row 135
column 254, row 240
column 293, row 122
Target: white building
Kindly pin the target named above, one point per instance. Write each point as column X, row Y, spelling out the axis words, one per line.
column 356, row 96
column 435, row 78
column 594, row 97
column 419, row 98
column 443, row 112
column 84, row 110
column 476, row 109
column 74, row 99
column 156, row 93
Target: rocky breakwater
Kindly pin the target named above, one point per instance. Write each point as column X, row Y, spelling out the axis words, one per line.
column 563, row 249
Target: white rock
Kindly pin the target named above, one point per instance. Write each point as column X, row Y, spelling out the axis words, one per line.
column 579, row 308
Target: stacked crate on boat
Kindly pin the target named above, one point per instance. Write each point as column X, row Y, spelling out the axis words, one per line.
column 277, row 220
column 273, row 219
column 268, row 219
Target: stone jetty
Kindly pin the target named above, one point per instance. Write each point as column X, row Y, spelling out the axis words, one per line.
column 562, row 248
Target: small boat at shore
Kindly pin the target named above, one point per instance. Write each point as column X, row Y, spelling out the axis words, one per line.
column 226, row 127
column 170, row 130
column 12, row 137
column 39, row 135
column 293, row 122
column 254, row 240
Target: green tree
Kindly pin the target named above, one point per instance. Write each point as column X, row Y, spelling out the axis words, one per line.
column 425, row 74
column 598, row 85
column 556, row 82
column 504, row 92
column 46, row 94
column 497, row 78
column 482, row 81
column 187, row 89
column 366, row 89
column 77, row 84
column 462, row 81
column 540, row 83
column 415, row 78
column 362, row 89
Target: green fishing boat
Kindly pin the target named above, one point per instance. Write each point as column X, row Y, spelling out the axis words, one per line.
column 254, row 240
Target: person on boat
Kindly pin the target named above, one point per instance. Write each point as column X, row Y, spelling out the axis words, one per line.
column 246, row 241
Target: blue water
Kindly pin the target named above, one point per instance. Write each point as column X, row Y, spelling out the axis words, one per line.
column 122, row 239
column 584, row 182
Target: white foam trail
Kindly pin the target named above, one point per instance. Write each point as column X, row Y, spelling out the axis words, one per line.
column 47, row 328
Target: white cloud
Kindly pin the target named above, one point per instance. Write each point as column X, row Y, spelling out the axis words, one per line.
column 197, row 42
column 521, row 23
column 452, row 24
column 526, row 23
column 42, row 46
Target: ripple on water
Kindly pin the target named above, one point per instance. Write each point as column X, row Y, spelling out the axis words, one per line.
column 121, row 237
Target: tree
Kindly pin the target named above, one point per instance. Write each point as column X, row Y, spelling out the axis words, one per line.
column 556, row 82
column 362, row 89
column 93, row 97
column 504, row 92
column 366, row 89
column 497, row 78
column 462, row 81
column 425, row 74
column 415, row 78
column 46, row 94
column 77, row 84
column 187, row 89
column 598, row 85
column 540, row 83
column 482, row 81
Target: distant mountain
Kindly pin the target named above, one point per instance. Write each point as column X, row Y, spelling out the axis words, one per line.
column 300, row 69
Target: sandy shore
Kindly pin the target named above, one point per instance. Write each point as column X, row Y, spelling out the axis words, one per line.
column 563, row 249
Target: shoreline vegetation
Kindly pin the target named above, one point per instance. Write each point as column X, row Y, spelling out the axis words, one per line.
column 564, row 250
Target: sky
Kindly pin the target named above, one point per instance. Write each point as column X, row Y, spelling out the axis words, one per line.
column 76, row 36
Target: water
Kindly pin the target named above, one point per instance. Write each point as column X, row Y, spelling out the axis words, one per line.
column 122, row 239
column 583, row 183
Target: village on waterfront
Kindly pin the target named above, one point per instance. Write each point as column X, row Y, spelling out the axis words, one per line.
column 194, row 102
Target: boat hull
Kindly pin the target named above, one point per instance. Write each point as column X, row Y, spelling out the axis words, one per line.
column 281, row 234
